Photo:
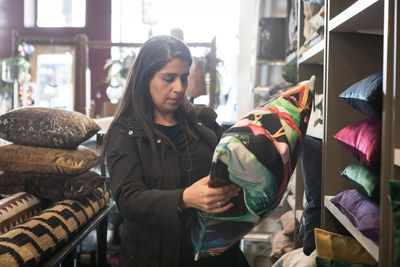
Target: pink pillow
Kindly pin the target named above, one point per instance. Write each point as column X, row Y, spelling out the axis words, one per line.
column 362, row 139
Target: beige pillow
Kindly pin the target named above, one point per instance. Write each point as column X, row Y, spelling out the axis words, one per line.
column 19, row 158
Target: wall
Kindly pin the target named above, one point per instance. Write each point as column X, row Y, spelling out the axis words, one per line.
column 98, row 27
column 246, row 61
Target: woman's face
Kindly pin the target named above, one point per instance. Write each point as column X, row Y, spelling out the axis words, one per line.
column 168, row 87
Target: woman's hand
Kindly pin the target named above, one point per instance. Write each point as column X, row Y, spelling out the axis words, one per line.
column 212, row 200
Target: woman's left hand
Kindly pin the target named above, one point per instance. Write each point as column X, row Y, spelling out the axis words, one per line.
column 212, row 200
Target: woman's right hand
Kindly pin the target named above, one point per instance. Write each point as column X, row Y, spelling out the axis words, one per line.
column 212, row 200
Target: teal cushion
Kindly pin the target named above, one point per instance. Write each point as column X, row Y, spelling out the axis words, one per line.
column 365, row 179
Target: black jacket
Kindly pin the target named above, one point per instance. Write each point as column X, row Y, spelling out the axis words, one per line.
column 147, row 191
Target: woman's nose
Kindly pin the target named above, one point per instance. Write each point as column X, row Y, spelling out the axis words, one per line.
column 180, row 86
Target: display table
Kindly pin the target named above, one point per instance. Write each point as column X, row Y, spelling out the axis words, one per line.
column 66, row 256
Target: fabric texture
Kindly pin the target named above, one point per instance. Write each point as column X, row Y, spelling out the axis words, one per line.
column 365, row 179
column 339, row 247
column 365, row 96
column 259, row 154
column 52, row 186
column 296, row 258
column 394, row 190
column 34, row 241
column 311, row 168
column 362, row 139
column 16, row 209
column 47, row 127
column 287, row 221
column 43, row 160
column 338, row 263
column 362, row 212
column 281, row 244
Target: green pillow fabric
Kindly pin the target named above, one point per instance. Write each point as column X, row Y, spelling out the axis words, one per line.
column 394, row 190
column 365, row 179
column 321, row 262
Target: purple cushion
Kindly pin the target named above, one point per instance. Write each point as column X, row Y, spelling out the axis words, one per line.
column 362, row 213
column 362, row 139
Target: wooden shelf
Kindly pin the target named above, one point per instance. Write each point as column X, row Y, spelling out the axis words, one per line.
column 314, row 55
column 367, row 243
column 397, row 157
column 364, row 16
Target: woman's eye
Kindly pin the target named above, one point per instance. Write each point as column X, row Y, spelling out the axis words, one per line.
column 169, row 80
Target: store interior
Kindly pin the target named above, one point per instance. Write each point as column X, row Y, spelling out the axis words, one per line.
column 334, row 61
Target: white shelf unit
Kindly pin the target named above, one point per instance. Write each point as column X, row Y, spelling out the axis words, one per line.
column 359, row 41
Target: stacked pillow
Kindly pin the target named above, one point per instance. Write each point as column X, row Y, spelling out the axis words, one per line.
column 46, row 158
column 362, row 140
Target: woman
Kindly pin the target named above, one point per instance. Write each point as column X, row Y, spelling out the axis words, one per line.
column 158, row 152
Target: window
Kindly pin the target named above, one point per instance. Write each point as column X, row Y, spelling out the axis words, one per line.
column 61, row 13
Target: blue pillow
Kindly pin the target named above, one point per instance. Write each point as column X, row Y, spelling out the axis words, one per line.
column 365, row 96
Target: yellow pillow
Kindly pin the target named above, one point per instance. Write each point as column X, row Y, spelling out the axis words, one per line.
column 21, row 159
column 339, row 247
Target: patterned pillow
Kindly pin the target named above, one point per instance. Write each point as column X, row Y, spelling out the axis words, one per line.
column 16, row 209
column 52, row 186
column 259, row 153
column 34, row 241
column 47, row 127
column 21, row 159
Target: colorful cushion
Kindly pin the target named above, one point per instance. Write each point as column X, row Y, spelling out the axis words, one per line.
column 394, row 189
column 43, row 160
column 361, row 212
column 332, row 246
column 365, row 96
column 365, row 179
column 34, row 241
column 362, row 139
column 338, row 263
column 16, row 209
column 47, row 127
column 259, row 154
column 52, row 186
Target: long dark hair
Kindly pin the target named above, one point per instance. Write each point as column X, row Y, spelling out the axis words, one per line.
column 136, row 101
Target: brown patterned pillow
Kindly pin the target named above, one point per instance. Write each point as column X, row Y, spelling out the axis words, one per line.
column 52, row 186
column 16, row 209
column 36, row 240
column 47, row 127
column 19, row 158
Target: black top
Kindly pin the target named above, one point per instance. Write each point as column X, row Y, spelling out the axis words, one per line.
column 195, row 162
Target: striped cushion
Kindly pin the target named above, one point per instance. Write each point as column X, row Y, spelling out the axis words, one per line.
column 36, row 240
column 16, row 209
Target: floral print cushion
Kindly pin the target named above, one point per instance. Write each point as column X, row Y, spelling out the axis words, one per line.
column 259, row 154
